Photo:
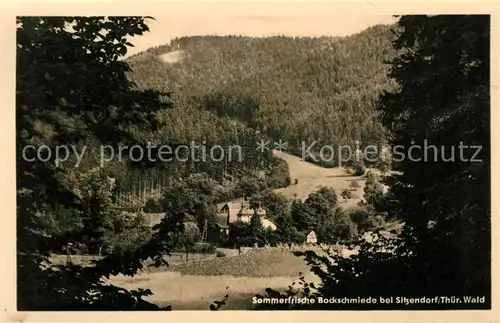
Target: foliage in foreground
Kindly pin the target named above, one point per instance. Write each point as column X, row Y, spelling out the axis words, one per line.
column 444, row 249
column 72, row 88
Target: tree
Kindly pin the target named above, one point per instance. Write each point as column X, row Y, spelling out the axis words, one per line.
column 444, row 249
column 373, row 191
column 286, row 231
column 288, row 93
column 127, row 232
column 278, row 175
column 321, row 213
column 443, row 100
column 256, row 230
column 275, row 205
column 72, row 87
column 384, row 162
column 153, row 206
column 347, row 194
column 358, row 167
column 301, row 219
column 195, row 195
column 239, row 233
column 96, row 192
column 366, row 218
column 247, row 187
column 269, row 237
column 335, row 228
column 189, row 237
column 255, row 222
column 319, row 206
column 256, row 201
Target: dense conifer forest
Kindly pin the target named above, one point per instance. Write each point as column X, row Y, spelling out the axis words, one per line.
column 294, row 89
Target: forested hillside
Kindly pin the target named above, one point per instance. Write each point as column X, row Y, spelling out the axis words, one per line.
column 294, row 89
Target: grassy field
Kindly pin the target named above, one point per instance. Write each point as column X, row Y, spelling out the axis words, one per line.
column 311, row 176
column 195, row 285
column 191, row 292
column 262, row 263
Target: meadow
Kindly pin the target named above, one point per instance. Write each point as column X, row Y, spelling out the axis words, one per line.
column 194, row 285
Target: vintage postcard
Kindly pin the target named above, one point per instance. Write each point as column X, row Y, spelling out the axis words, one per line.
column 246, row 157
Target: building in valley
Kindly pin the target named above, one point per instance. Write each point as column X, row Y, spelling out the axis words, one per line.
column 311, row 238
column 230, row 212
column 226, row 214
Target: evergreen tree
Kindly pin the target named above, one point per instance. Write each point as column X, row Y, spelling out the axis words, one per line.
column 443, row 100
column 373, row 191
column 445, row 247
column 276, row 205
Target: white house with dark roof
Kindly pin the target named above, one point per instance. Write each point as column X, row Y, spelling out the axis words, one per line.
column 311, row 238
column 231, row 212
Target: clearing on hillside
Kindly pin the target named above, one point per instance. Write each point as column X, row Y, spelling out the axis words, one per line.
column 173, row 57
column 311, row 176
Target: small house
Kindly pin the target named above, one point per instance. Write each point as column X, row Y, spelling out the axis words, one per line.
column 311, row 238
column 231, row 212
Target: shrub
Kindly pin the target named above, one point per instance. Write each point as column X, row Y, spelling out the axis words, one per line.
column 153, row 206
column 366, row 218
column 354, row 185
column 219, row 254
column 359, row 169
column 278, row 175
column 374, row 191
column 347, row 194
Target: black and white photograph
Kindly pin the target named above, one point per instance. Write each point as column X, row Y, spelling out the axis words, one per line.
column 253, row 161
